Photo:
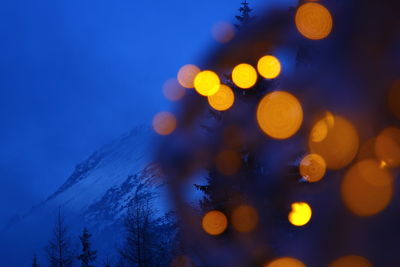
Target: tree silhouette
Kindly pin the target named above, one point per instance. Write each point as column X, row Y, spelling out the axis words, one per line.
column 88, row 255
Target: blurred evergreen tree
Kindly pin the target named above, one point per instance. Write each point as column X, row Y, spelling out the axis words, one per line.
column 88, row 256
column 35, row 261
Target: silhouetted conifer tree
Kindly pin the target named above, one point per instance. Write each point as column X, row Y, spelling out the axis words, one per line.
column 87, row 256
column 35, row 261
column 244, row 16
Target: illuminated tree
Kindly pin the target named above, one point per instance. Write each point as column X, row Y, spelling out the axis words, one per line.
column 87, row 255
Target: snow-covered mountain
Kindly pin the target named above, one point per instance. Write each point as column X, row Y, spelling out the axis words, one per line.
column 96, row 194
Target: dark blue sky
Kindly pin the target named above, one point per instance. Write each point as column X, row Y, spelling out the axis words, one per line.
column 76, row 74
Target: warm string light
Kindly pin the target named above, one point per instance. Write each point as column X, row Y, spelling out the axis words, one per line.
column 285, row 262
column 300, row 214
column 214, row 222
column 223, row 99
column 312, row 167
column 313, row 21
column 351, row 261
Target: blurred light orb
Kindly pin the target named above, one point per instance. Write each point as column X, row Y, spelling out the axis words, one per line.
column 207, row 83
column 164, row 123
column 301, row 214
column 223, row 32
column 244, row 76
column 313, row 21
column 244, row 218
column 223, row 99
column 335, row 139
column 387, row 147
column 269, row 67
column 285, row 262
column 214, row 222
column 187, row 74
column 173, row 91
column 394, row 99
column 351, row 261
column 367, row 189
column 312, row 167
column 228, row 162
column 279, row 115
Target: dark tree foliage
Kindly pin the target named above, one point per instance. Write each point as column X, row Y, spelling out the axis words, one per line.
column 244, row 17
column 58, row 249
column 35, row 261
column 87, row 256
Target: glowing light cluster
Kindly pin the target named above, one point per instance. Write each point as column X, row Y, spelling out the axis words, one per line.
column 187, row 74
column 335, row 139
column 367, row 189
column 285, row 262
column 312, row 167
column 313, row 21
column 214, row 222
column 244, row 218
column 223, row 99
column 301, row 214
column 269, row 67
column 207, row 83
column 164, row 123
column 279, row 114
column 351, row 261
column 244, row 76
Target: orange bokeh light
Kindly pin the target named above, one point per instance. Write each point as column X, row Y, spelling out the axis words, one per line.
column 187, row 74
column 367, row 189
column 300, row 214
column 269, row 67
column 207, row 83
column 244, row 76
column 335, row 139
column 351, row 261
column 313, row 21
column 279, row 114
column 173, row 91
column 387, row 147
column 214, row 222
column 164, row 123
column 228, row 162
column 285, row 262
column 223, row 32
column 244, row 218
column 312, row 167
column 223, row 99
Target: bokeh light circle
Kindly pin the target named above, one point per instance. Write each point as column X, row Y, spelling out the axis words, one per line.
column 285, row 262
column 223, row 99
column 279, row 115
column 367, row 189
column 335, row 139
column 223, row 32
column 351, row 261
column 269, row 67
column 313, row 21
column 173, row 91
column 244, row 76
column 164, row 123
column 312, row 167
column 187, row 74
column 244, row 218
column 207, row 83
column 214, row 222
column 300, row 214
column 387, row 147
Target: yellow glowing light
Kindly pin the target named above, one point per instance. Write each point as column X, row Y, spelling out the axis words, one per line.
column 394, row 99
column 164, row 123
column 285, row 262
column 312, row 167
column 351, row 261
column 387, row 147
column 214, row 222
column 269, row 67
column 228, row 162
column 223, row 32
column 207, row 83
column 173, row 90
column 187, row 74
column 279, row 114
column 367, row 189
column 301, row 214
column 313, row 21
column 244, row 76
column 335, row 139
column 223, row 99
column 244, row 218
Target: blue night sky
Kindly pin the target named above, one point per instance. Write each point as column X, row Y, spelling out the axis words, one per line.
column 77, row 74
